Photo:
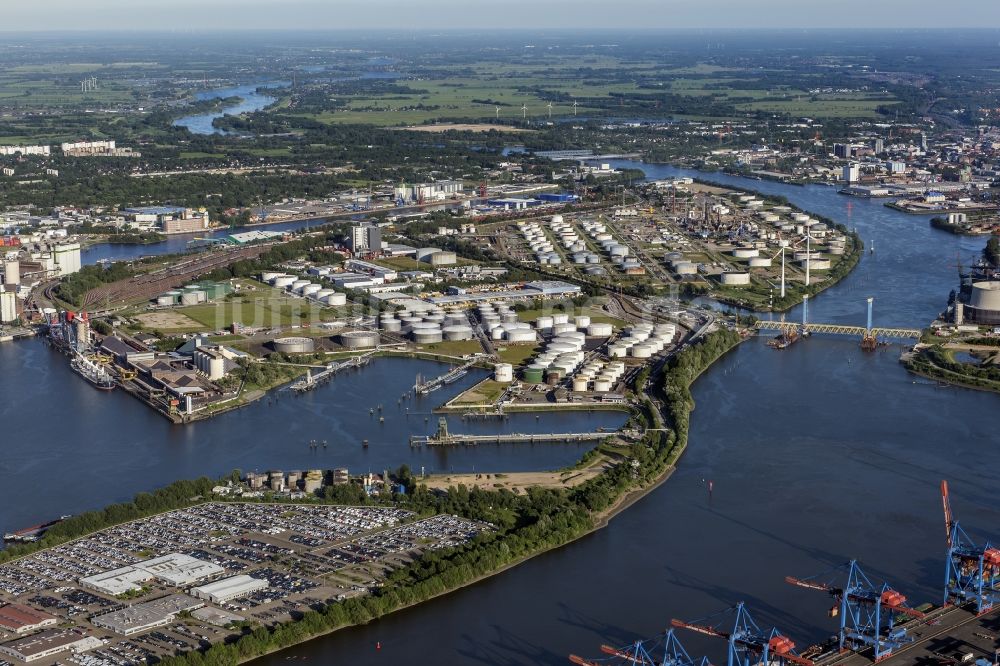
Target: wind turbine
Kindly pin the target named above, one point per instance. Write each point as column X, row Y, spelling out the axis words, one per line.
column 782, row 252
column 498, row 113
column 550, row 109
column 524, row 111
column 575, row 104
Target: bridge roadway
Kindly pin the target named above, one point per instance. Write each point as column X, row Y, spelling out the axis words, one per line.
column 513, row 438
column 840, row 329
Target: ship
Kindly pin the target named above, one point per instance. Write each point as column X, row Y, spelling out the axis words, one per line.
column 785, row 339
column 31, row 534
column 92, row 372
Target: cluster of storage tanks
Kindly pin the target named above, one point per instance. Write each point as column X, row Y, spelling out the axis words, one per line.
column 617, row 252
column 427, row 326
column 503, row 324
column 305, row 288
column 194, row 294
column 572, row 241
column 643, row 341
column 558, row 324
column 560, row 358
column 539, row 243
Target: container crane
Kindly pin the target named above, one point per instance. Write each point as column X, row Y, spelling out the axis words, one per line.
column 972, row 573
column 749, row 645
column 867, row 612
column 641, row 653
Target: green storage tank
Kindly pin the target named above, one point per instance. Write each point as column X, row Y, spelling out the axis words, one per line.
column 533, row 375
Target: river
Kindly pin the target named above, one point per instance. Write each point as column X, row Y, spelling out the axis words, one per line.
column 817, row 454
column 251, row 100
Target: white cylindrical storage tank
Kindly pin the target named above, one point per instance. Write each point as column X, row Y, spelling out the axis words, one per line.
column 617, row 351
column 322, row 294
column 503, row 372
column 543, row 323
column 746, row 252
column 457, row 333
column 189, row 298
column 818, row 264
column 359, row 339
column 392, row 325
column 557, row 219
column 558, row 329
column 602, row 386
column 579, row 384
column 638, row 335
column 600, row 330
column 311, row 289
column 426, row 336
column 294, row 345
column 736, row 279
column 685, row 268
column 165, row 300
column 496, row 333
column 336, row 299
column 560, row 318
column 575, row 336
column 269, row 276
column 581, row 321
column 521, row 335
column 643, row 350
column 760, row 262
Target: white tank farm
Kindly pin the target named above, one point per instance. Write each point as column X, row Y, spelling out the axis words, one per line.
column 543, row 323
column 503, row 372
column 284, row 281
column 746, row 252
column 580, row 385
column 600, row 330
column 760, row 262
column 736, row 279
column 457, row 333
column 520, row 335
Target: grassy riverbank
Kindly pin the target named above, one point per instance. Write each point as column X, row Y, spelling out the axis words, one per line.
column 939, row 364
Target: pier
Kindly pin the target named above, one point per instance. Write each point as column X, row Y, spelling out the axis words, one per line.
column 423, row 388
column 443, row 438
column 311, row 381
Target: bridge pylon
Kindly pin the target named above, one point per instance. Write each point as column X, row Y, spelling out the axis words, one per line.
column 869, row 341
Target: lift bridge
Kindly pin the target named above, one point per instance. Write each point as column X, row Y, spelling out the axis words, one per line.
column 870, row 334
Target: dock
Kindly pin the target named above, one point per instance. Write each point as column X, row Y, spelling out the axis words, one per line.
column 443, row 438
column 311, row 381
column 453, row 375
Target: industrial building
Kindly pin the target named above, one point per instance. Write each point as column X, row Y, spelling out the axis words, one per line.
column 227, row 589
column 96, row 149
column 21, row 619
column 215, row 361
column 66, row 258
column 366, row 238
column 387, row 274
column 47, row 643
column 168, row 219
column 10, row 151
column 983, row 306
column 436, row 191
column 145, row 616
column 174, row 570
column 8, row 306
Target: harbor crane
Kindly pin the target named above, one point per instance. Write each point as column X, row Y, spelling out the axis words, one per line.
column 640, row 653
column 867, row 612
column 749, row 645
column 972, row 572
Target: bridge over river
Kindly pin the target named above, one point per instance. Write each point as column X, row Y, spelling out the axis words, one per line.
column 868, row 333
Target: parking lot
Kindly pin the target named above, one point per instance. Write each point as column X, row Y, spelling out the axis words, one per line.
column 308, row 554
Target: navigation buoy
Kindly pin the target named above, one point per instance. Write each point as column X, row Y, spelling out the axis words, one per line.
column 378, row 645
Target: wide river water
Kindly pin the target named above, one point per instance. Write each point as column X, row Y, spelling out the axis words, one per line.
column 817, row 454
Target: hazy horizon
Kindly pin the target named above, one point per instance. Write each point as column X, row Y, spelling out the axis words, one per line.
column 423, row 15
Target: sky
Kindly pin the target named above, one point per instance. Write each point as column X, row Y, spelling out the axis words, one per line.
column 44, row 15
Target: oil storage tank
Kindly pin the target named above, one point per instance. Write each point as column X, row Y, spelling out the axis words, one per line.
column 359, row 339
column 736, row 279
column 984, row 304
column 294, row 345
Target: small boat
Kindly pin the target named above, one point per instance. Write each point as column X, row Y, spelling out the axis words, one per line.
column 784, row 340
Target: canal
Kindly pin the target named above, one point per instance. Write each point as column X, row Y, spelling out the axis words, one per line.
column 817, row 454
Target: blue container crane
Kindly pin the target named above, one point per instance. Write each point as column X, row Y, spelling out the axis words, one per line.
column 749, row 645
column 867, row 612
column 641, row 653
column 972, row 573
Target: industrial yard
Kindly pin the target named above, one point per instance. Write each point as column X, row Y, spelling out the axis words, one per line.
column 177, row 581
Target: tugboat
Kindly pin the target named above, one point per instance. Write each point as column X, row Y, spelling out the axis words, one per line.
column 784, row 339
column 92, row 372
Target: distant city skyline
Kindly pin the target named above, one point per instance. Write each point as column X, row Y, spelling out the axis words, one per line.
column 41, row 15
